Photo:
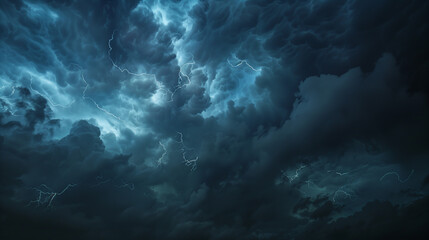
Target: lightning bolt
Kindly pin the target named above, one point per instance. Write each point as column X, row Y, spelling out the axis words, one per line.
column 159, row 84
column 124, row 69
column 181, row 137
column 153, row 76
column 182, row 75
column 188, row 162
column 13, row 91
column 84, row 97
column 338, row 173
column 11, row 111
column 183, row 81
column 343, row 192
column 349, row 172
column 47, row 195
column 159, row 162
column 397, row 175
column 241, row 62
column 5, row 103
column 47, row 97
column 291, row 178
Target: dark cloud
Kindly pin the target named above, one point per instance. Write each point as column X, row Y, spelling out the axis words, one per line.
column 376, row 220
column 355, row 106
column 214, row 119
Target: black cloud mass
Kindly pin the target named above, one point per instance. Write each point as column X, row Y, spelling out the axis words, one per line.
column 209, row 119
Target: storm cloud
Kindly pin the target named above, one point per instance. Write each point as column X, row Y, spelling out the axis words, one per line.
column 214, row 119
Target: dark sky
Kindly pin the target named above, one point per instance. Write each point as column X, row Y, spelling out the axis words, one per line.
column 244, row 119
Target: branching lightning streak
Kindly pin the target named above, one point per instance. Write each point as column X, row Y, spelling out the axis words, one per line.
column 94, row 102
column 13, row 91
column 159, row 162
column 241, row 62
column 340, row 190
column 6, row 104
column 48, row 98
column 160, row 85
column 182, row 76
column 349, row 172
column 188, row 162
column 181, row 137
column 397, row 175
column 338, row 173
column 294, row 176
column 11, row 111
column 124, row 69
column 48, row 196
column 181, row 73
column 180, row 83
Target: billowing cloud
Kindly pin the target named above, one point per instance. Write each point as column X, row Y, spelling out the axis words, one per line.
column 213, row 119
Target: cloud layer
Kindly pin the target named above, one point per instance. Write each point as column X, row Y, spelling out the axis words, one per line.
column 214, row 120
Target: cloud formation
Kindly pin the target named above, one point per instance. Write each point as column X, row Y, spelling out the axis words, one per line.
column 214, row 120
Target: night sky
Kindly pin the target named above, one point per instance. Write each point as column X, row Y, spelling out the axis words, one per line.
column 205, row 119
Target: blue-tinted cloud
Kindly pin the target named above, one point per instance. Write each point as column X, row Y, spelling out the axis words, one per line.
column 212, row 119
